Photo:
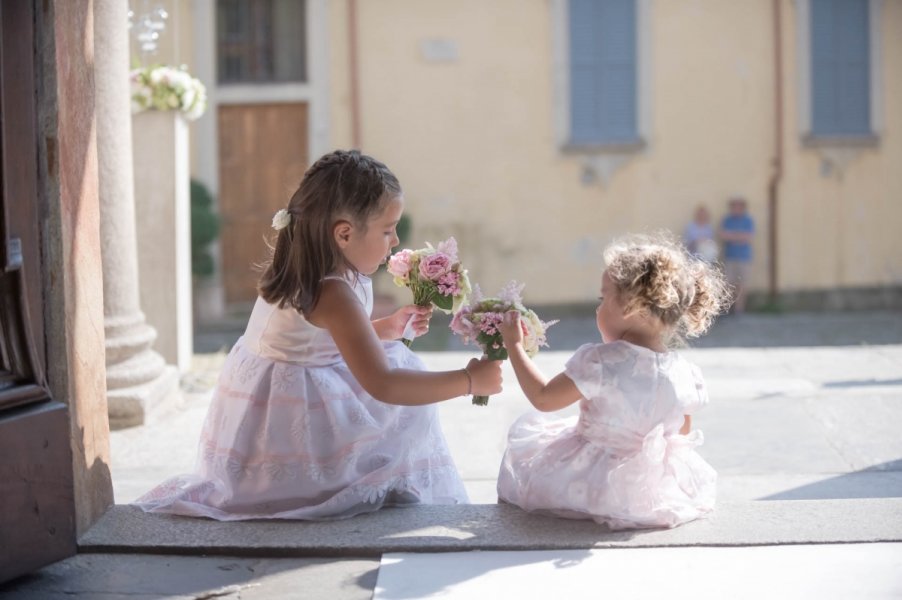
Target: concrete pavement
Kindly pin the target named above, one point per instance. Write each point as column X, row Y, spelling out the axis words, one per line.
column 577, row 326
column 805, row 439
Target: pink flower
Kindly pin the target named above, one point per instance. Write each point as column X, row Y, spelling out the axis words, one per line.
column 490, row 322
column 463, row 326
column 449, row 284
column 434, row 266
column 399, row 263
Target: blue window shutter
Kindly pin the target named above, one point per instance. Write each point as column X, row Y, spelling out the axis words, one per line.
column 854, row 74
column 603, row 71
column 824, row 115
column 840, row 67
column 585, row 71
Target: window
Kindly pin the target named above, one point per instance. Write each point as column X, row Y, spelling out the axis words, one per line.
column 603, row 59
column 840, row 68
column 261, row 41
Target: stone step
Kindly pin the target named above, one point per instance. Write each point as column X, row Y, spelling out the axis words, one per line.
column 432, row 528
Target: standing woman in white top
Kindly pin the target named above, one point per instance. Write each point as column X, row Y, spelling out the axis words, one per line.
column 699, row 236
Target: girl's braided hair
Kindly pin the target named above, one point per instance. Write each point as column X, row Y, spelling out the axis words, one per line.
column 342, row 185
column 657, row 275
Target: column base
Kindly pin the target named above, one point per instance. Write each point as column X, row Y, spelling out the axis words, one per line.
column 140, row 404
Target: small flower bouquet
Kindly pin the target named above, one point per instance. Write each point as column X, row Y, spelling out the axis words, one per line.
column 434, row 275
column 480, row 320
column 161, row 87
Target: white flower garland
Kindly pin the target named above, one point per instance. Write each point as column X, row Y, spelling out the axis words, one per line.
column 162, row 87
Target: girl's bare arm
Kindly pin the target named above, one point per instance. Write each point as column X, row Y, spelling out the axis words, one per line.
column 545, row 395
column 339, row 311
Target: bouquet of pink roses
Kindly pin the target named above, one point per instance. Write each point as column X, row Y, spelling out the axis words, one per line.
column 480, row 320
column 434, row 275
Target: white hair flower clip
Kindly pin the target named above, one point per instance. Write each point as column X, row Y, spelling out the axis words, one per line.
column 281, row 219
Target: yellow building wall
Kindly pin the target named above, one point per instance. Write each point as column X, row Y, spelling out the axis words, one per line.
column 841, row 208
column 474, row 143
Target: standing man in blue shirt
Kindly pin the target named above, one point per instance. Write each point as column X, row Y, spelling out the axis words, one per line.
column 736, row 232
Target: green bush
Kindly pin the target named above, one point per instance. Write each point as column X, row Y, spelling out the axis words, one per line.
column 204, row 229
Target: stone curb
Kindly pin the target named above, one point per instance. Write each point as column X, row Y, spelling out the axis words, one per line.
column 431, row 528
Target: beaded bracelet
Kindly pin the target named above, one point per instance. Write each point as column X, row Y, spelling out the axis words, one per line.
column 469, row 381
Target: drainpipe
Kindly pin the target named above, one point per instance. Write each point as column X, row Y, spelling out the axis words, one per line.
column 354, row 74
column 773, row 186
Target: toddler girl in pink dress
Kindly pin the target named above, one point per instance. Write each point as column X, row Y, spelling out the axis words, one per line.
column 628, row 458
column 317, row 413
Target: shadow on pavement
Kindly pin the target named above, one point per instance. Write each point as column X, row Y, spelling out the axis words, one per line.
column 872, row 482
column 854, row 383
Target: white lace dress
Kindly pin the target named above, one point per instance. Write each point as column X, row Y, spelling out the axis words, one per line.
column 291, row 434
column 622, row 460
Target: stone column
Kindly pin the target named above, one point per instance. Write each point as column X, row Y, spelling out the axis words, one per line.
column 138, row 380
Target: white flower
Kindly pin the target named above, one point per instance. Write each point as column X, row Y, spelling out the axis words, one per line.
column 281, row 220
column 200, row 103
column 188, row 98
column 512, row 292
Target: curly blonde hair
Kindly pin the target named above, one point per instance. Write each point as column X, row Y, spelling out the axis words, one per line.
column 655, row 274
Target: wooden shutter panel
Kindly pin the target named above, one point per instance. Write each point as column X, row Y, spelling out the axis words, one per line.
column 603, row 71
column 840, row 67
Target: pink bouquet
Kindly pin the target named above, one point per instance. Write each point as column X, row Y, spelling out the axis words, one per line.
column 434, row 275
column 480, row 320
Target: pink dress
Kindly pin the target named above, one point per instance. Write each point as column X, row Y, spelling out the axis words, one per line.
column 290, row 434
column 622, row 461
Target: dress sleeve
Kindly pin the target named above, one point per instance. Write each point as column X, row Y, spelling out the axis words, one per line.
column 585, row 370
column 698, row 399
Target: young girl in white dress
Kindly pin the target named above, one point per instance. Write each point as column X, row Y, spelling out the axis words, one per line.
column 628, row 458
column 316, row 414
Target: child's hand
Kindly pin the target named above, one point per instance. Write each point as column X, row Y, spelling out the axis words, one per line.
column 397, row 321
column 485, row 375
column 512, row 329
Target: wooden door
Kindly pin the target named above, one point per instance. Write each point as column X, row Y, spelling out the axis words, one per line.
column 37, row 513
column 262, row 157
